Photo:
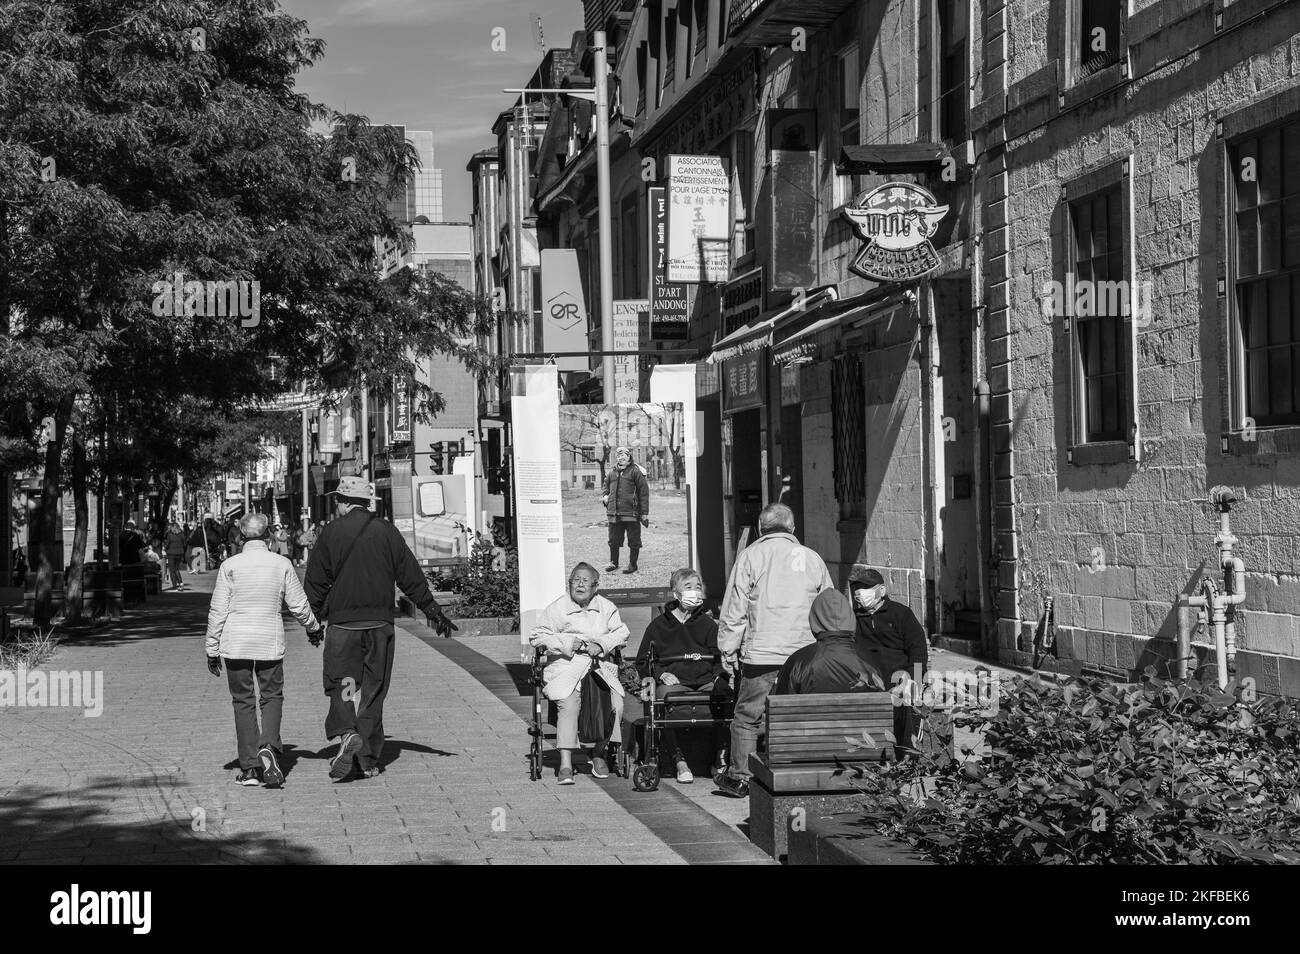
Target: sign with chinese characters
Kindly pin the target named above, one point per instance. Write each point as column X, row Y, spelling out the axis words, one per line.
column 329, row 440
column 627, row 381
column 699, row 209
column 401, row 427
column 742, row 300
column 669, row 308
column 896, row 220
column 792, row 157
column 744, row 381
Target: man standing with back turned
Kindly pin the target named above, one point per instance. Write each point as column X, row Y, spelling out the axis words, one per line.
column 357, row 561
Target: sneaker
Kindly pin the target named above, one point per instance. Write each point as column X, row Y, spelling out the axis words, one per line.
column 565, row 776
column 612, row 566
column 684, row 773
column 732, row 786
column 630, row 569
column 342, row 765
column 248, row 777
column 272, row 777
column 372, row 771
column 599, row 768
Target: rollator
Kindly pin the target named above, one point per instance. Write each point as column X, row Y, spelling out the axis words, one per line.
column 542, row 717
column 685, row 709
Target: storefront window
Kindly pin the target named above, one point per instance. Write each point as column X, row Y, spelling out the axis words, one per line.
column 1098, row 257
column 1266, row 172
column 849, row 398
column 848, row 84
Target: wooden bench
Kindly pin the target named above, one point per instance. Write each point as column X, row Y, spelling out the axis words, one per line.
column 102, row 593
column 134, row 589
column 152, row 579
column 805, row 736
column 29, row 594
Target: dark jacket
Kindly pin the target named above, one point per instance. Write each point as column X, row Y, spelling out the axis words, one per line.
column 174, row 543
column 836, row 662
column 129, row 547
column 893, row 639
column 379, row 560
column 234, row 539
column 671, row 637
column 628, row 492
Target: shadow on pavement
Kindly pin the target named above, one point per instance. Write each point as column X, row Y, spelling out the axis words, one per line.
column 37, row 825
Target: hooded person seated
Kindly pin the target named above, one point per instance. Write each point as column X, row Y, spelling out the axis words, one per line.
column 684, row 628
column 836, row 662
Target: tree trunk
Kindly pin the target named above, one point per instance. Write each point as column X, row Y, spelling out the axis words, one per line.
column 47, row 522
column 72, row 586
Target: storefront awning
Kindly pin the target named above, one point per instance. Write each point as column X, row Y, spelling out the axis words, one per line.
column 890, row 158
column 814, row 341
column 759, row 334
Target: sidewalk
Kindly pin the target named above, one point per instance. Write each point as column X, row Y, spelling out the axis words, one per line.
column 150, row 780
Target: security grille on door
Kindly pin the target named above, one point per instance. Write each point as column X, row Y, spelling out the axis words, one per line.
column 848, row 402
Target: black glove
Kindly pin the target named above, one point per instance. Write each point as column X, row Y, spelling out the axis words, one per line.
column 440, row 623
column 317, row 636
column 214, row 665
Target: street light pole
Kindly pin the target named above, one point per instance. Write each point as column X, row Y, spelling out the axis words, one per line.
column 600, row 75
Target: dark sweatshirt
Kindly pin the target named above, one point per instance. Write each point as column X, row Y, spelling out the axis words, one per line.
column 671, row 637
column 836, row 662
column 379, row 560
column 893, row 638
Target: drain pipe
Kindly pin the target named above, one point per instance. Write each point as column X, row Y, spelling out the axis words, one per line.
column 1219, row 608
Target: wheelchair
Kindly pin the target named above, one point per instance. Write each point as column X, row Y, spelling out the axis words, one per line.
column 542, row 717
column 686, row 709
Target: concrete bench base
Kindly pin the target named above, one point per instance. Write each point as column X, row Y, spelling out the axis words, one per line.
column 772, row 814
column 841, row 839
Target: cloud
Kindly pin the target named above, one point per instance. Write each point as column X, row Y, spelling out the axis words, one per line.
column 390, row 12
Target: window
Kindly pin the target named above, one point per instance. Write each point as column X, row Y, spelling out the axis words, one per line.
column 1266, row 273
column 1101, row 330
column 630, row 249
column 742, row 185
column 655, row 45
column 670, row 47
column 688, row 20
column 849, row 435
column 642, row 55
column 723, row 8
column 1098, row 42
column 848, row 84
column 701, row 25
column 953, row 67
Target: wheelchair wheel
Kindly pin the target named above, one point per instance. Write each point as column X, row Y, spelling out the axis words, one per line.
column 645, row 778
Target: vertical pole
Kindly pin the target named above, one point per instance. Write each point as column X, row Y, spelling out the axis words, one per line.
column 604, row 219
column 306, row 462
column 365, row 430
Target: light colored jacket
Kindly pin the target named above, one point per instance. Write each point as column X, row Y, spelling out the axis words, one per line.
column 244, row 616
column 560, row 625
column 765, row 611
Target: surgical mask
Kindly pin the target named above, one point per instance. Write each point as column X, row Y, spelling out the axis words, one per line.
column 690, row 599
column 866, row 598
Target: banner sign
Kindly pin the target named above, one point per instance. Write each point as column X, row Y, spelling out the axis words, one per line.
column 792, row 155
column 330, row 438
column 896, row 220
column 742, row 300
column 744, row 382
column 699, row 212
column 401, row 419
column 627, row 379
column 539, row 526
column 669, row 308
column 563, row 308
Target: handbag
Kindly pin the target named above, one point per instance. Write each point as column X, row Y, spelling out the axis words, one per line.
column 325, row 606
column 629, row 676
column 596, row 713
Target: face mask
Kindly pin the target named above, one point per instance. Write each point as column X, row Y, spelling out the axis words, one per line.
column 690, row 599
column 865, row 598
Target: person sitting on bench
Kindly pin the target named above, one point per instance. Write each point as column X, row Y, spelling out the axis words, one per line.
column 836, row 662
column 892, row 638
column 684, row 628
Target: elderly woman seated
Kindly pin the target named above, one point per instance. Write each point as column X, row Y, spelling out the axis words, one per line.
column 583, row 629
column 683, row 629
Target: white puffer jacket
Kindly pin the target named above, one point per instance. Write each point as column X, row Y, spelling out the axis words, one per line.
column 244, row 617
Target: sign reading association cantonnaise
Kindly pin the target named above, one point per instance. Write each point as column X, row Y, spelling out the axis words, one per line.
column 896, row 220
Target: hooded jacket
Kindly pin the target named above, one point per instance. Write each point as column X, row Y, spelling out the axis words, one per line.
column 672, row 637
column 765, row 610
column 628, row 492
column 836, row 662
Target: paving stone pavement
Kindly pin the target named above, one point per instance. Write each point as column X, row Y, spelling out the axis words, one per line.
column 150, row 781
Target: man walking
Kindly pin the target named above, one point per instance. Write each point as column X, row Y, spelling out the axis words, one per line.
column 764, row 620
column 174, row 546
column 350, row 581
column 627, row 507
column 245, row 629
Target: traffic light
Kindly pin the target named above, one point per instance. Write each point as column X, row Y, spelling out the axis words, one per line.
column 436, row 462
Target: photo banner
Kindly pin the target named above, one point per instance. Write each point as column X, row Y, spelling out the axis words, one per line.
column 675, row 384
column 539, row 531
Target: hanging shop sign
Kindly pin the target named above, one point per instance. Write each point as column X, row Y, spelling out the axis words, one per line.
column 699, row 209
column 627, row 382
column 742, row 300
column 792, row 158
column 329, row 439
column 669, row 309
column 563, row 308
column 896, row 221
column 744, row 382
column 401, row 419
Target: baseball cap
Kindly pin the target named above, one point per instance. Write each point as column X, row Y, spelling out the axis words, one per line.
column 356, row 487
column 865, row 575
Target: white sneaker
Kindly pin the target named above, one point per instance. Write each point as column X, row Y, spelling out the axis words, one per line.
column 684, row 773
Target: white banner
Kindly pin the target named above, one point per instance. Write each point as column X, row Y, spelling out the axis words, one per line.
column 675, row 384
column 699, row 209
column 536, row 477
column 627, row 337
column 563, row 308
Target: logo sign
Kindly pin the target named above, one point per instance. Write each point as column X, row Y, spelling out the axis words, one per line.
column 563, row 309
column 669, row 309
column 699, row 212
column 742, row 300
column 401, row 428
column 627, row 328
column 896, row 220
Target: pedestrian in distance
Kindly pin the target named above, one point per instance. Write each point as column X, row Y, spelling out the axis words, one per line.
column 245, row 630
column 130, row 545
column 627, row 508
column 357, row 562
column 764, row 621
column 306, row 540
column 582, row 629
column 174, row 547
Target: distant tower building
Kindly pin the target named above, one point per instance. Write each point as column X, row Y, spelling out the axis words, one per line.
column 424, row 190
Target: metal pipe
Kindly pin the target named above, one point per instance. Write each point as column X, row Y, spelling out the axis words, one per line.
column 600, row 74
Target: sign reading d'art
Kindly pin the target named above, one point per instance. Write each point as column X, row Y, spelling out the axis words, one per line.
column 897, row 221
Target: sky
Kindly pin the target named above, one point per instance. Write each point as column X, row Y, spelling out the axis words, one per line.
column 429, row 64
